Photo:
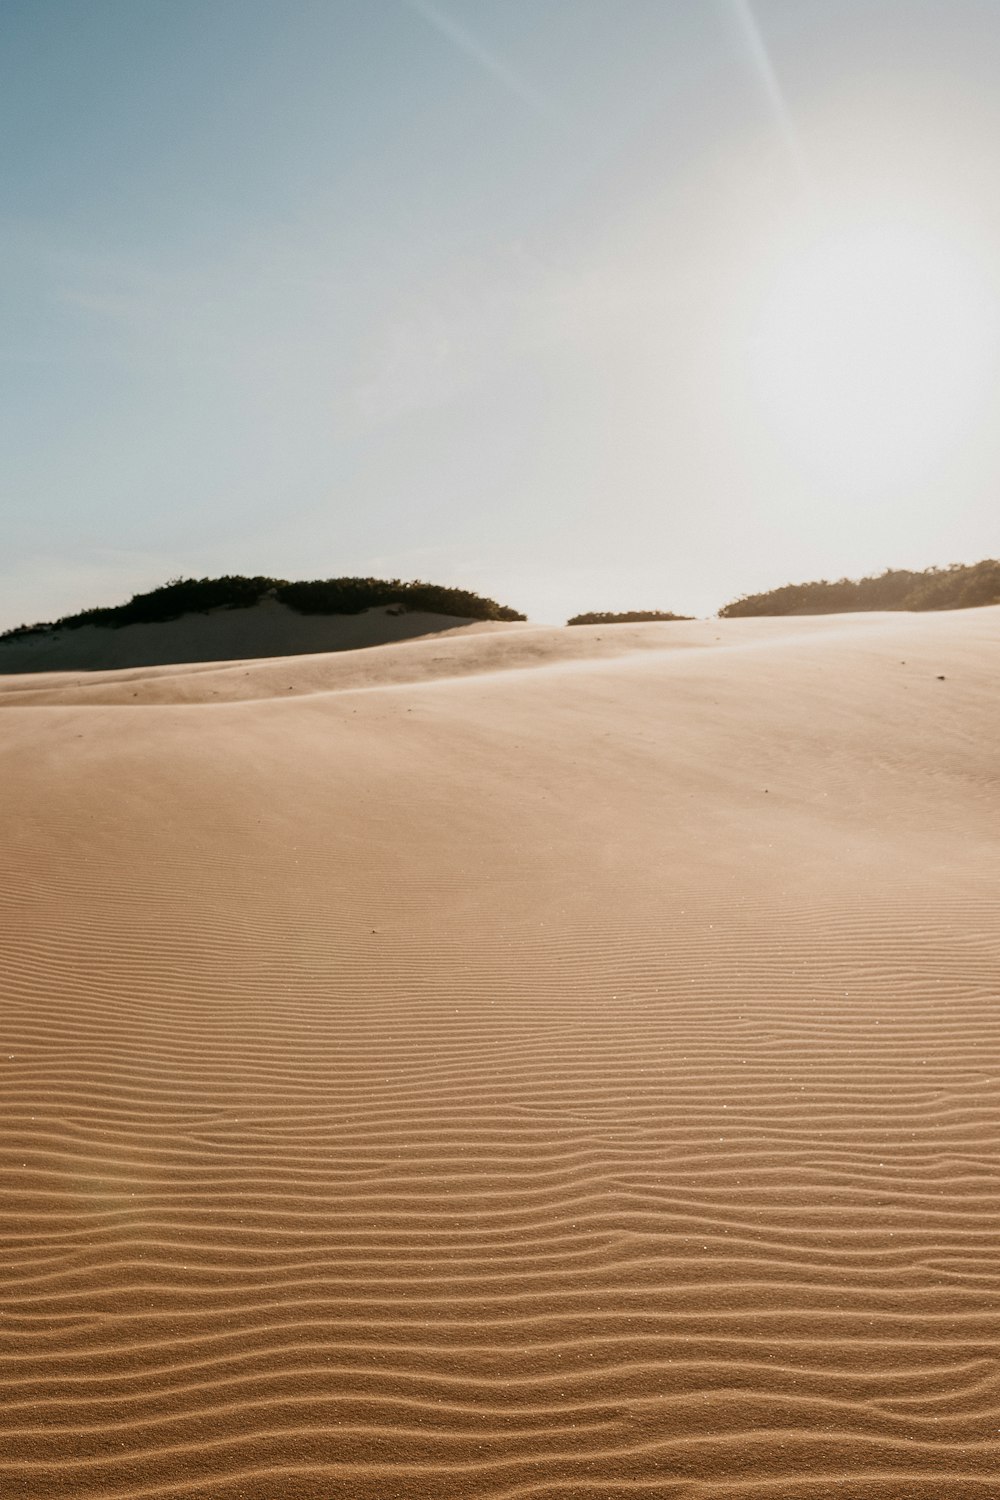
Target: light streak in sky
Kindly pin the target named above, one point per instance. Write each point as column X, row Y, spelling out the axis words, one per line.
column 465, row 42
column 763, row 68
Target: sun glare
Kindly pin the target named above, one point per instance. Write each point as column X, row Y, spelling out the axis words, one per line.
column 872, row 354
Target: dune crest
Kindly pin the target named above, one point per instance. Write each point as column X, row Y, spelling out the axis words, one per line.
column 267, row 628
column 516, row 1063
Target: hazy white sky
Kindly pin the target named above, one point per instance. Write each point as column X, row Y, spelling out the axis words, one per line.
column 585, row 304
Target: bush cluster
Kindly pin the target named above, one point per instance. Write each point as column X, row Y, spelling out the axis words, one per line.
column 322, row 596
column 960, row 586
column 349, row 596
column 628, row 617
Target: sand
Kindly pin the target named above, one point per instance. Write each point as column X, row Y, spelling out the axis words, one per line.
column 267, row 628
column 528, row 1063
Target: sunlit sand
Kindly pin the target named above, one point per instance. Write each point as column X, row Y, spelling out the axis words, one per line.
column 513, row 1063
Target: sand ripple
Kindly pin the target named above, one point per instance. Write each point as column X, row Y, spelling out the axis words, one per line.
column 576, row 1080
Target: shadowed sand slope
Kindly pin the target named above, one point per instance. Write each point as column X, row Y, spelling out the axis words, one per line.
column 268, row 628
column 511, row 1070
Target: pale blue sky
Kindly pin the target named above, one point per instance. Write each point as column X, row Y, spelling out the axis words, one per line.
column 545, row 298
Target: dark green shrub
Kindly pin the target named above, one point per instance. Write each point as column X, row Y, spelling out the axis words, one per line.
column 323, row 596
column 181, row 596
column 349, row 596
column 629, row 617
column 17, row 631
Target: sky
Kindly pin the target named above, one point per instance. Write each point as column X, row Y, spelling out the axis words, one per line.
column 582, row 304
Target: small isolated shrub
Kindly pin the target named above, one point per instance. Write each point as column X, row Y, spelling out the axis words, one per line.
column 629, row 617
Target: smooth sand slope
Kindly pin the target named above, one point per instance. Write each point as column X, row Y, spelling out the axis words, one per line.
column 530, row 1063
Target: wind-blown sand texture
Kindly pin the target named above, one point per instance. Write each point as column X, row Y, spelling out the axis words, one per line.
column 526, row 1063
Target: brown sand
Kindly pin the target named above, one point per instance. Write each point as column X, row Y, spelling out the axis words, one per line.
column 519, row 1064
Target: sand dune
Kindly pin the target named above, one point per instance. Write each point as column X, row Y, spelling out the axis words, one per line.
column 267, row 628
column 519, row 1063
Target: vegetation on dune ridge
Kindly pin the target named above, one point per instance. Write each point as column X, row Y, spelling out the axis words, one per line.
column 628, row 617
column 349, row 596
column 959, row 586
column 320, row 596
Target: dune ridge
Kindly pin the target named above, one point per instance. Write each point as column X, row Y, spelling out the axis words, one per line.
column 265, row 628
column 519, row 1063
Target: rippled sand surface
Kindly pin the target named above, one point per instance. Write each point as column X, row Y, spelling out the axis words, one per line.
column 528, row 1063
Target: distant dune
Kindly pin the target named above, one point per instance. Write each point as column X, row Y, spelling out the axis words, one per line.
column 522, row 1063
column 958, row 586
column 265, row 629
